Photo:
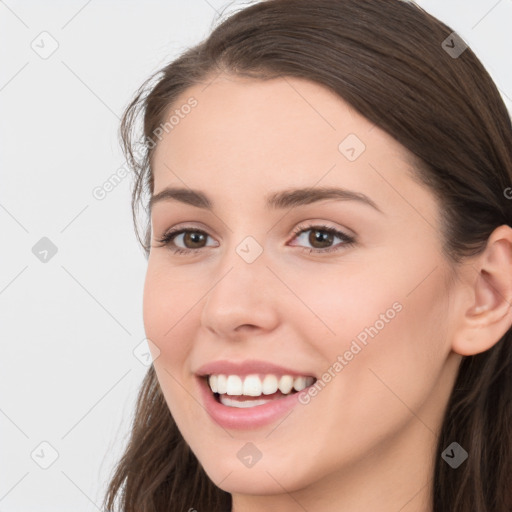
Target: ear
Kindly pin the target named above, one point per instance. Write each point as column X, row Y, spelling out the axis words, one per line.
column 487, row 308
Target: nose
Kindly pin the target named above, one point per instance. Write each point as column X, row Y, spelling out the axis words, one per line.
column 244, row 300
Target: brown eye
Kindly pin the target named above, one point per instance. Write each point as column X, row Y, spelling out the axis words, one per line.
column 185, row 240
column 194, row 239
column 320, row 238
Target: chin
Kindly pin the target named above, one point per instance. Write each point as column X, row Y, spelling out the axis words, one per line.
column 265, row 477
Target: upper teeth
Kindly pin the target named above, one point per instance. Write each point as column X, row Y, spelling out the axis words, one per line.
column 253, row 385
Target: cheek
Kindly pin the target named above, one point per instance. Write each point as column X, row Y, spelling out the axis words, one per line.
column 167, row 310
column 396, row 357
column 381, row 332
column 337, row 303
column 166, row 307
column 363, row 298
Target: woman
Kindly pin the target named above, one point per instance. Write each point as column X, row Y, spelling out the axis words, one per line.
column 329, row 276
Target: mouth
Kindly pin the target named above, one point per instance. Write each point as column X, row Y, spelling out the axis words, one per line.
column 252, row 394
column 254, row 390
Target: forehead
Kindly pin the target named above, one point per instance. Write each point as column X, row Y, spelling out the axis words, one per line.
column 289, row 116
column 255, row 135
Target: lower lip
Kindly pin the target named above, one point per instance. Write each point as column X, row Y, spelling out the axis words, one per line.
column 250, row 417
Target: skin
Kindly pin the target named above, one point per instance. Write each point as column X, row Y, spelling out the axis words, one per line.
column 366, row 442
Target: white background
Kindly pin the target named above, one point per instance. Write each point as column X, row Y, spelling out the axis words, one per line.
column 68, row 327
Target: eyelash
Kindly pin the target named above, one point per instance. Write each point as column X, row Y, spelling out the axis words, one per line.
column 348, row 241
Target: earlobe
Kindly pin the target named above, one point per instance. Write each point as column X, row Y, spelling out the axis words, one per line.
column 489, row 314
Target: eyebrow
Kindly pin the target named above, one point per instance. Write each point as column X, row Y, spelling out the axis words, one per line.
column 289, row 198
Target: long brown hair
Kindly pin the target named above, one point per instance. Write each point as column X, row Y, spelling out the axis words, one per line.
column 395, row 64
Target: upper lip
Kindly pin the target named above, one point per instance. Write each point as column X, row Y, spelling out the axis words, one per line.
column 247, row 367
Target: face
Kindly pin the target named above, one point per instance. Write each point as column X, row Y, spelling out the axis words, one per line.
column 349, row 292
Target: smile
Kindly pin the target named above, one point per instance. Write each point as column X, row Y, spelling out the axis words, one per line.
column 256, row 389
column 250, row 394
